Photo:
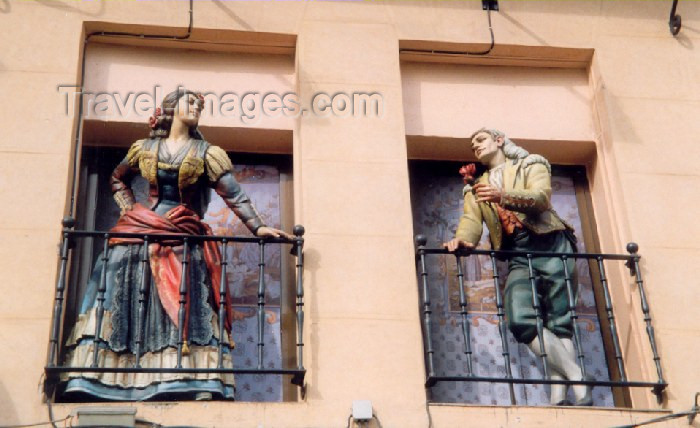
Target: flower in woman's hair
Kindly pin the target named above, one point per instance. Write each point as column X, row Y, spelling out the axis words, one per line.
column 468, row 172
column 200, row 100
column 153, row 120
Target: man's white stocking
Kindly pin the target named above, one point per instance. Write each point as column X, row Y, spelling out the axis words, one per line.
column 561, row 359
column 557, row 392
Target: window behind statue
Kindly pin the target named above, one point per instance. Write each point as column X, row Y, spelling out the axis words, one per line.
column 262, row 177
column 435, row 190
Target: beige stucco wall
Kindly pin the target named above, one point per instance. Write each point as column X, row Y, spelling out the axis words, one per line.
column 352, row 194
column 449, row 100
column 153, row 72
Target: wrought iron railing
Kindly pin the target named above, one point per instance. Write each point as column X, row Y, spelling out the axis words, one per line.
column 631, row 261
column 54, row 368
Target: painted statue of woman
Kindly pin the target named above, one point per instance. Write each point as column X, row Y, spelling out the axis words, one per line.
column 180, row 167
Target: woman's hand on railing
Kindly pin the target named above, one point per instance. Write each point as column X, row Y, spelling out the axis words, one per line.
column 271, row 232
column 456, row 243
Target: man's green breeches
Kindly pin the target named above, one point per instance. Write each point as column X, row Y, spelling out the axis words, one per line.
column 550, row 286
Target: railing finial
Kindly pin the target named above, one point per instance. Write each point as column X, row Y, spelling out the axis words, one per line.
column 299, row 230
column 421, row 240
column 68, row 222
column 632, row 248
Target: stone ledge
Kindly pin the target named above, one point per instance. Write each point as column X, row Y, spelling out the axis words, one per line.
column 448, row 414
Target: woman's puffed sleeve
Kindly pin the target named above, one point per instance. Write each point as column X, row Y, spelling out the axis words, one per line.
column 134, row 153
column 220, row 173
column 122, row 175
column 217, row 163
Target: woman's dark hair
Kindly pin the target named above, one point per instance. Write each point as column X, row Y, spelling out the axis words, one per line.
column 162, row 120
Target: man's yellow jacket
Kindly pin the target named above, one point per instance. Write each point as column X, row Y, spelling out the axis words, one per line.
column 527, row 191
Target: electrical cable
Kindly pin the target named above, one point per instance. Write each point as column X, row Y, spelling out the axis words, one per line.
column 157, row 425
column 365, row 422
column 459, row 53
column 52, row 422
column 146, row 421
column 374, row 416
column 660, row 419
column 691, row 414
column 48, row 404
column 42, row 380
column 430, row 416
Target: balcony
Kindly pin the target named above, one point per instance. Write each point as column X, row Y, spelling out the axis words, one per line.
column 55, row 366
column 463, row 367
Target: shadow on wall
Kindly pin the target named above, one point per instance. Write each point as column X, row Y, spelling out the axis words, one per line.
column 620, row 121
column 227, row 10
column 539, row 39
column 5, row 6
column 524, row 29
column 8, row 415
column 68, row 7
column 683, row 39
column 312, row 262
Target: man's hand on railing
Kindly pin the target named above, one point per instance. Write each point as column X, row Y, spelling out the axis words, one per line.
column 456, row 243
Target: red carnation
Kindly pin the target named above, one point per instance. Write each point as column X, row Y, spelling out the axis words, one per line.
column 468, row 172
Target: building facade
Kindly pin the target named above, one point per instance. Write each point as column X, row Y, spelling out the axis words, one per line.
column 364, row 95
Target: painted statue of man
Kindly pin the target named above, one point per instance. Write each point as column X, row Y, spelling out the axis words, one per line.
column 513, row 199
